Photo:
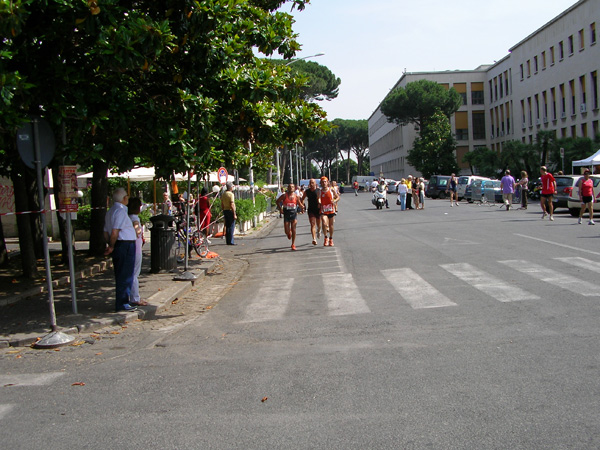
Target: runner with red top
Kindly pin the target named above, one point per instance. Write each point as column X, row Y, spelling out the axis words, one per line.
column 586, row 196
column 289, row 203
column 328, row 198
column 548, row 190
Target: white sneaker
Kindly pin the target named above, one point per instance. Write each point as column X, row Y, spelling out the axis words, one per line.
column 543, row 216
column 551, row 217
column 591, row 222
column 451, row 204
column 456, row 203
column 579, row 221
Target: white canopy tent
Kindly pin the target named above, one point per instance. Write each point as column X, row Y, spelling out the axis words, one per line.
column 590, row 161
column 147, row 174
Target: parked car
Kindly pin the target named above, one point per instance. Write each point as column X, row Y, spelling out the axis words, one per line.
column 436, row 188
column 464, row 181
column 564, row 189
column 484, row 190
column 574, row 204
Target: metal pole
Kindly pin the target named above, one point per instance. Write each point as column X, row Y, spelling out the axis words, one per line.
column 291, row 167
column 67, row 216
column 40, row 182
column 298, row 177
column 277, row 162
column 187, row 225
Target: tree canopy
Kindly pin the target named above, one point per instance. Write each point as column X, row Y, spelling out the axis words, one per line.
column 419, row 100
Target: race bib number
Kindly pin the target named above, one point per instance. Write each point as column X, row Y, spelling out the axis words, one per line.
column 328, row 208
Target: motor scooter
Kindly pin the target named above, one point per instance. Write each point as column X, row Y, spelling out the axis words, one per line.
column 379, row 198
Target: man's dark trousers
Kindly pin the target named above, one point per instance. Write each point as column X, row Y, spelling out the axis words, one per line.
column 123, row 257
column 409, row 201
column 229, row 226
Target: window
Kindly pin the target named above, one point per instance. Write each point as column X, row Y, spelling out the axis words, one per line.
column 593, row 33
column 570, row 42
column 506, row 83
column 501, row 86
column 581, row 40
column 461, row 120
column 594, row 77
column 572, row 93
column 461, row 88
column 536, row 99
column 545, row 104
column 561, row 51
column 552, row 55
column 478, row 125
column 522, row 76
column 553, row 99
column 543, row 60
column 492, row 89
column 477, row 97
column 535, row 64
column 583, row 94
column 528, row 68
column 530, row 111
column 563, row 101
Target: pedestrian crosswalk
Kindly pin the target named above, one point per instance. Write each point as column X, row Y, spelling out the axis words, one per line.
column 343, row 296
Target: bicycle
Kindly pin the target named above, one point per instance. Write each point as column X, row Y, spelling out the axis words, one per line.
column 188, row 239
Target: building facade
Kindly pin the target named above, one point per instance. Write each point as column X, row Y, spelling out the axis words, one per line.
column 548, row 81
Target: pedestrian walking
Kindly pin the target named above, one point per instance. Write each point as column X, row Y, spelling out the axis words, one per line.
column 120, row 236
column 524, row 185
column 415, row 193
column 288, row 204
column 402, row 191
column 421, row 193
column 228, row 207
column 203, row 212
column 508, row 188
column 452, row 189
column 586, row 197
column 548, row 190
column 313, row 209
column 355, row 187
column 133, row 209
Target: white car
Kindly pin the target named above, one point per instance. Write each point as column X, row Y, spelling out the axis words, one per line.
column 574, row 204
column 465, row 181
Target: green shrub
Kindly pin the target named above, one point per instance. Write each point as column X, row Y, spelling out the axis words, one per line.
column 84, row 216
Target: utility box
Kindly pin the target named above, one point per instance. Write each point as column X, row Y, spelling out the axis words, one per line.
column 163, row 257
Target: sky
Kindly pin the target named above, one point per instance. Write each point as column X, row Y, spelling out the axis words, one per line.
column 370, row 43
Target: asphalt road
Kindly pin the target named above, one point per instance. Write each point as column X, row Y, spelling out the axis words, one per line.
column 466, row 327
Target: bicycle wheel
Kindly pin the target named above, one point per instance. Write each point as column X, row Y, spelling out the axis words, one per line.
column 181, row 247
column 199, row 243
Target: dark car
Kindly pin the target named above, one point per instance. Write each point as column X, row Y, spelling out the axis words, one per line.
column 564, row 189
column 436, row 188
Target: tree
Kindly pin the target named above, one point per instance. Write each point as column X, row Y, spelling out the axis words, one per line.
column 418, row 101
column 433, row 150
column 483, row 159
column 353, row 137
column 322, row 84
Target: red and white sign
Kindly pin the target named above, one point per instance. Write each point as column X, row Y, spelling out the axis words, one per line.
column 68, row 192
column 222, row 174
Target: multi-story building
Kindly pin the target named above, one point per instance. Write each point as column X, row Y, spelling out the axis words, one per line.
column 548, row 81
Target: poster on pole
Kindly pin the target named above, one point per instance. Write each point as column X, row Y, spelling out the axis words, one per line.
column 68, row 191
column 222, row 174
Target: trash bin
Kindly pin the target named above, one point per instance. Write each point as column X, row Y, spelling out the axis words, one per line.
column 163, row 255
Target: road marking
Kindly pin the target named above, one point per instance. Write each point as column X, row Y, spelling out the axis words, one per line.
column 451, row 241
column 488, row 284
column 29, row 379
column 581, row 262
column 343, row 296
column 554, row 277
column 271, row 301
column 415, row 290
column 5, row 409
column 559, row 245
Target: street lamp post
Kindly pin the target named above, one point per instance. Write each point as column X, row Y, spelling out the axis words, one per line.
column 305, row 57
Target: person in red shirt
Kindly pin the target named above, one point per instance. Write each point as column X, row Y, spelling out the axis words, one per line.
column 355, row 187
column 328, row 198
column 289, row 203
column 586, row 196
column 548, row 190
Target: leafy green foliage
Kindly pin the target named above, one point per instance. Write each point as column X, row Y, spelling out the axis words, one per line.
column 433, row 150
column 418, row 101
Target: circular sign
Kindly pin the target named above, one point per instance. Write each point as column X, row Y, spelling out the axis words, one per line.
column 222, row 174
column 26, row 143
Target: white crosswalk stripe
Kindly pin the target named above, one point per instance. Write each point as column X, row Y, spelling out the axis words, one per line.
column 487, row 283
column 417, row 292
column 5, row 409
column 29, row 379
column 554, row 277
column 343, row 296
column 271, row 300
column 582, row 263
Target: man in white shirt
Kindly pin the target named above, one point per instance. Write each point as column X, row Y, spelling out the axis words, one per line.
column 120, row 235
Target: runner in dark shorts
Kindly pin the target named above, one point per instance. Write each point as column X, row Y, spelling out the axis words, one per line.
column 288, row 204
column 314, row 214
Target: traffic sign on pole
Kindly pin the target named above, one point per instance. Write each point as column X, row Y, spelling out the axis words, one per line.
column 222, row 174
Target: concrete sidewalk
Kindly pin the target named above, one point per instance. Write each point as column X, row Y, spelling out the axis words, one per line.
column 26, row 319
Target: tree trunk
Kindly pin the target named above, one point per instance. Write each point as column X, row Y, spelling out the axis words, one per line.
column 283, row 165
column 35, row 204
column 28, row 260
column 99, row 205
column 3, row 251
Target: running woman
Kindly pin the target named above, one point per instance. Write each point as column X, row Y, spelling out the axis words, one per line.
column 328, row 198
column 289, row 204
column 314, row 209
column 586, row 196
column 548, row 190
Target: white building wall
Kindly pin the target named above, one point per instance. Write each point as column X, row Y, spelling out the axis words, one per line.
column 517, row 107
